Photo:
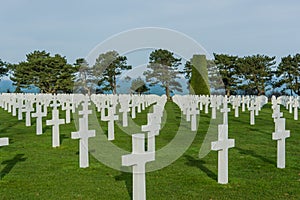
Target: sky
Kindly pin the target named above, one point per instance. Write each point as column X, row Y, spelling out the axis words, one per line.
column 73, row 28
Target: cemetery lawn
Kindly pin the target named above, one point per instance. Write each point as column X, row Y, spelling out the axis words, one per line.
column 31, row 169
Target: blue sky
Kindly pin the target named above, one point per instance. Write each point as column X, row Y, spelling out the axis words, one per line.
column 74, row 28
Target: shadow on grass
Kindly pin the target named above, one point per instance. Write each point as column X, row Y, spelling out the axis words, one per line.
column 10, row 164
column 127, row 177
column 9, row 126
column 255, row 155
column 200, row 164
column 63, row 137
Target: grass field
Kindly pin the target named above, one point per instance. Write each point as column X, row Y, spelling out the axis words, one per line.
column 31, row 169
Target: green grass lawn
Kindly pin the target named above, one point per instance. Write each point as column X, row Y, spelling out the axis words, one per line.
column 31, row 169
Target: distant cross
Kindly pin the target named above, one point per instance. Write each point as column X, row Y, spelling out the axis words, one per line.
column 138, row 159
column 222, row 146
column 124, row 102
column 83, row 135
column 54, row 104
column 55, row 122
column 276, row 112
column 20, row 106
column 39, row 118
column 213, row 106
column 194, row 112
column 280, row 135
column 251, row 108
column 296, row 105
column 290, row 103
column 225, row 110
column 28, row 109
column 236, row 102
column 152, row 128
column 67, row 107
column 111, row 117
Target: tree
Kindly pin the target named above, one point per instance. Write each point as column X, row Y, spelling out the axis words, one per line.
column 288, row 74
column 163, row 68
column 228, row 70
column 257, row 73
column 85, row 79
column 107, row 68
column 51, row 74
column 3, row 68
column 139, row 86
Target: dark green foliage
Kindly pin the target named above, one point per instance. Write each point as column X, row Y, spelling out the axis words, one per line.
column 256, row 72
column 107, row 68
column 229, row 72
column 139, row 86
column 51, row 74
column 163, row 69
column 199, row 78
column 3, row 68
column 288, row 74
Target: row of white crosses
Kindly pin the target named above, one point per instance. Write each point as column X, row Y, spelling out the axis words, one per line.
column 291, row 103
column 139, row 156
column 189, row 106
column 189, row 103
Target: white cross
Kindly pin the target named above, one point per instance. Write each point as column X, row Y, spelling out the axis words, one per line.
column 138, row 159
column 55, row 122
column 213, row 106
column 111, row 117
column 236, row 106
column 280, row 135
column 55, row 104
column 67, row 107
column 124, row 102
column 39, row 115
column 296, row 105
column 251, row 108
column 85, row 108
column 222, row 146
column 152, row 128
column 276, row 112
column 83, row 135
column 28, row 109
column 20, row 107
column 225, row 110
column 194, row 112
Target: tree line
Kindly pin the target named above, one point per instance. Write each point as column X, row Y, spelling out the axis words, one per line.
column 228, row 74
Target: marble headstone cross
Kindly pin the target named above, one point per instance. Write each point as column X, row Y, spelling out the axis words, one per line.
column 124, row 102
column 295, row 105
column 111, row 117
column 194, row 112
column 222, row 146
column 280, row 135
column 83, row 135
column 39, row 118
column 251, row 108
column 152, row 128
column 28, row 109
column 55, row 122
column 138, row 159
column 225, row 110
column 213, row 106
